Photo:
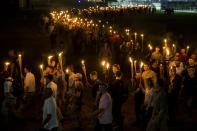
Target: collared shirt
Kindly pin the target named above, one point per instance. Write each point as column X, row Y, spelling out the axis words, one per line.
column 49, row 108
column 53, row 86
column 29, row 83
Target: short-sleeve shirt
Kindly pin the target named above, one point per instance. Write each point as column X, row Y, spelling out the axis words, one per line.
column 50, row 108
column 105, row 103
column 53, row 86
column 30, row 82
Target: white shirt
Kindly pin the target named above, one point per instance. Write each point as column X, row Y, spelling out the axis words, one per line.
column 53, row 86
column 50, row 108
column 7, row 87
column 29, row 82
column 106, row 104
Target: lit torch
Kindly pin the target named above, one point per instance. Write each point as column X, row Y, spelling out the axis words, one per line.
column 49, row 60
column 60, row 60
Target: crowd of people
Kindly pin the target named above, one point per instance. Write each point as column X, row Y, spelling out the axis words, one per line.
column 117, row 10
column 158, row 79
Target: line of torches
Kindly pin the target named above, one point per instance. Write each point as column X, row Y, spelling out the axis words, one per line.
column 65, row 18
column 98, row 9
column 134, row 68
column 105, row 64
column 166, row 49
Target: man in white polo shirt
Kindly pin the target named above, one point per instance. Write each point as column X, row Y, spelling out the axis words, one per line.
column 50, row 120
column 52, row 85
column 105, row 110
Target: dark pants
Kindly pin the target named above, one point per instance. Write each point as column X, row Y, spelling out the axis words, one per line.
column 172, row 108
column 138, row 100
column 53, row 129
column 138, row 112
column 103, row 127
column 117, row 115
column 147, row 115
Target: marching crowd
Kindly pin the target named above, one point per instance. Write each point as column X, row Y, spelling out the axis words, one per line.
column 156, row 89
column 156, row 84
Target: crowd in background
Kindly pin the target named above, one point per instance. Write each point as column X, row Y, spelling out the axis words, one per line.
column 157, row 76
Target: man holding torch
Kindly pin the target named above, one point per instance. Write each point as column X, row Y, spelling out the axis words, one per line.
column 29, row 85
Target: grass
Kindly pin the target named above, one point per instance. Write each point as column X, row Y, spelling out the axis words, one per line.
column 158, row 26
column 28, row 36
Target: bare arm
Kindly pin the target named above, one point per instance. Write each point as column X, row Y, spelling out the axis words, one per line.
column 46, row 120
